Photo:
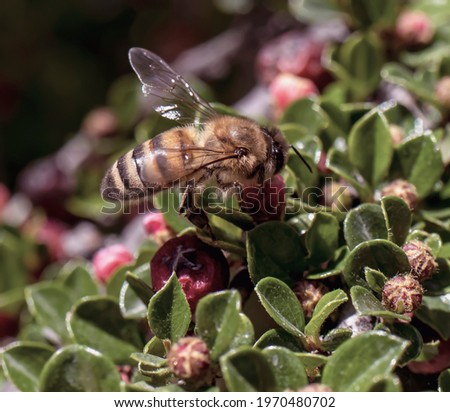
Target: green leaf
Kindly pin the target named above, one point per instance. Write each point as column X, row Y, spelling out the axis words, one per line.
column 287, row 368
column 247, row 370
column 375, row 279
column 131, row 306
column 411, row 335
column 23, row 363
column 77, row 368
column 307, row 113
column 148, row 360
column 278, row 337
column 389, row 383
column 444, row 381
column 336, row 337
column 324, row 308
column 282, row 305
column 338, row 162
column 115, row 282
column 398, row 218
column 218, row 319
column 79, row 281
column 420, row 162
column 370, row 147
column 365, row 222
column 435, row 312
column 135, row 294
column 362, row 360
column 322, row 238
column 377, row 254
column 399, row 75
column 49, row 303
column 96, row 321
column 274, row 249
column 366, row 304
column 312, row 361
column 245, row 335
column 429, row 351
column 169, row 314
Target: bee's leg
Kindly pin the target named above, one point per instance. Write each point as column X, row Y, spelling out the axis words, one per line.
column 194, row 214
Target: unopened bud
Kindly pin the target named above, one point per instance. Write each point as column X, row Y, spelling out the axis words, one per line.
column 442, row 91
column 397, row 134
column 414, row 28
column 189, row 358
column 402, row 294
column 402, row 189
column 420, row 259
column 309, row 293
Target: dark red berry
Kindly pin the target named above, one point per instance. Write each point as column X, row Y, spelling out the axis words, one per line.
column 9, row 325
column 267, row 202
column 200, row 268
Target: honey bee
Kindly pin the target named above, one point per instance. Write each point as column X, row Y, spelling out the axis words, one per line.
column 231, row 151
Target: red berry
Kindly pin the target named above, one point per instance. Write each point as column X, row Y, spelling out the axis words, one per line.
column 265, row 203
column 286, row 88
column 200, row 268
column 189, row 358
column 413, row 28
column 154, row 223
column 107, row 260
column 9, row 325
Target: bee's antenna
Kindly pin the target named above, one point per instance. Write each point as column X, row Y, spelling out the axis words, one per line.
column 301, row 157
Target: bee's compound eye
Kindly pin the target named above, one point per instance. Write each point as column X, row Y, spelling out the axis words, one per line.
column 241, row 151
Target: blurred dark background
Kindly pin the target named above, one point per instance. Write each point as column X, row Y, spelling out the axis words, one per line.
column 59, row 59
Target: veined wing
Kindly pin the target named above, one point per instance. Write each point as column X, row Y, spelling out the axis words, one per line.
column 177, row 100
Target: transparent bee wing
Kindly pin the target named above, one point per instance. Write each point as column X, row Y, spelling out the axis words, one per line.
column 178, row 101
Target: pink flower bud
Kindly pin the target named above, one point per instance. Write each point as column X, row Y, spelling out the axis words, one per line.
column 287, row 88
column 402, row 189
column 154, row 223
column 442, row 91
column 107, row 260
column 100, row 122
column 413, row 28
column 200, row 268
column 420, row 259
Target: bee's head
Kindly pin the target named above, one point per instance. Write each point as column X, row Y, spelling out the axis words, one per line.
column 279, row 146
